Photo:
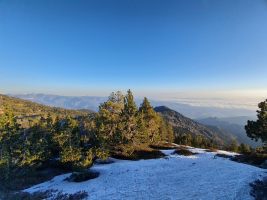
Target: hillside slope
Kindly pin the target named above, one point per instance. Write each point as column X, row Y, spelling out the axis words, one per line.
column 24, row 108
column 182, row 124
column 68, row 102
column 236, row 130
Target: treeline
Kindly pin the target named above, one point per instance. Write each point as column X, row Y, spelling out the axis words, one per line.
column 195, row 140
column 202, row 142
column 75, row 142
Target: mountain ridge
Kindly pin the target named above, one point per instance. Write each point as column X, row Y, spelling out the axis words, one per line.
column 21, row 107
column 182, row 124
column 231, row 128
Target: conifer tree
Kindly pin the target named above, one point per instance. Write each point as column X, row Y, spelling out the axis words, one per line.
column 9, row 141
column 35, row 145
column 129, row 118
column 152, row 121
column 108, row 119
column 142, row 136
column 244, row 148
column 258, row 129
column 233, row 146
column 68, row 139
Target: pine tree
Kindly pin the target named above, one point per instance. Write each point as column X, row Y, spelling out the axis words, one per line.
column 166, row 131
column 68, row 140
column 258, row 129
column 152, row 121
column 233, row 146
column 9, row 141
column 35, row 146
column 142, row 136
column 108, row 120
column 129, row 118
column 244, row 148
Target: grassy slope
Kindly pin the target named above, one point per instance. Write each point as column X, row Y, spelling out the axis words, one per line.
column 27, row 109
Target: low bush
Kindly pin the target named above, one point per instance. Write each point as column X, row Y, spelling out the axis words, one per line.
column 183, row 151
column 49, row 194
column 256, row 159
column 82, row 176
column 259, row 189
column 223, row 156
column 104, row 162
column 137, row 153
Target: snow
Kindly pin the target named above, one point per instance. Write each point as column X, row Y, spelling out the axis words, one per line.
column 173, row 177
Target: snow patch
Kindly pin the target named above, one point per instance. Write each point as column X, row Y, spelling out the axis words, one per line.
column 173, row 177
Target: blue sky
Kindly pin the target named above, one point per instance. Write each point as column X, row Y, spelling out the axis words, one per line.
column 95, row 47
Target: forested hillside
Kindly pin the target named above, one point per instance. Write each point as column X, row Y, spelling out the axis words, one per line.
column 35, row 139
column 233, row 130
column 73, row 140
column 25, row 108
column 187, row 130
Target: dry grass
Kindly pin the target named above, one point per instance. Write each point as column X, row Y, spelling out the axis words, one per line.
column 211, row 150
column 136, row 153
column 183, row 151
column 163, row 146
column 82, row 176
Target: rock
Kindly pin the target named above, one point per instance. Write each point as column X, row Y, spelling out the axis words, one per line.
column 264, row 165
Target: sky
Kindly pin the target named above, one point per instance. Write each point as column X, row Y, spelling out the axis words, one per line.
column 172, row 49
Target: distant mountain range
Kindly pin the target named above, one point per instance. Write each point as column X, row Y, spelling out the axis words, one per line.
column 68, row 102
column 92, row 103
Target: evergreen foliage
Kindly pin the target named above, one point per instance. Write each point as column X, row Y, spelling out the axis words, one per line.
column 120, row 122
column 75, row 139
column 195, row 140
column 233, row 146
column 258, row 129
column 9, row 141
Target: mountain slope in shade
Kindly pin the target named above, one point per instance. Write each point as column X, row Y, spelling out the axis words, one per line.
column 236, row 130
column 182, row 124
column 240, row 120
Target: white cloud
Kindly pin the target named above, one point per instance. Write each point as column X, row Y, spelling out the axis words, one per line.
column 247, row 99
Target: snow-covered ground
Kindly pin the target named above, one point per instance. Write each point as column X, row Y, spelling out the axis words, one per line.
column 200, row 176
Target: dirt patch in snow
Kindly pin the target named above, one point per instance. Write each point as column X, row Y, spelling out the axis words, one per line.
column 82, row 176
column 163, row 146
column 224, row 155
column 211, row 150
column 139, row 154
column 183, row 151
